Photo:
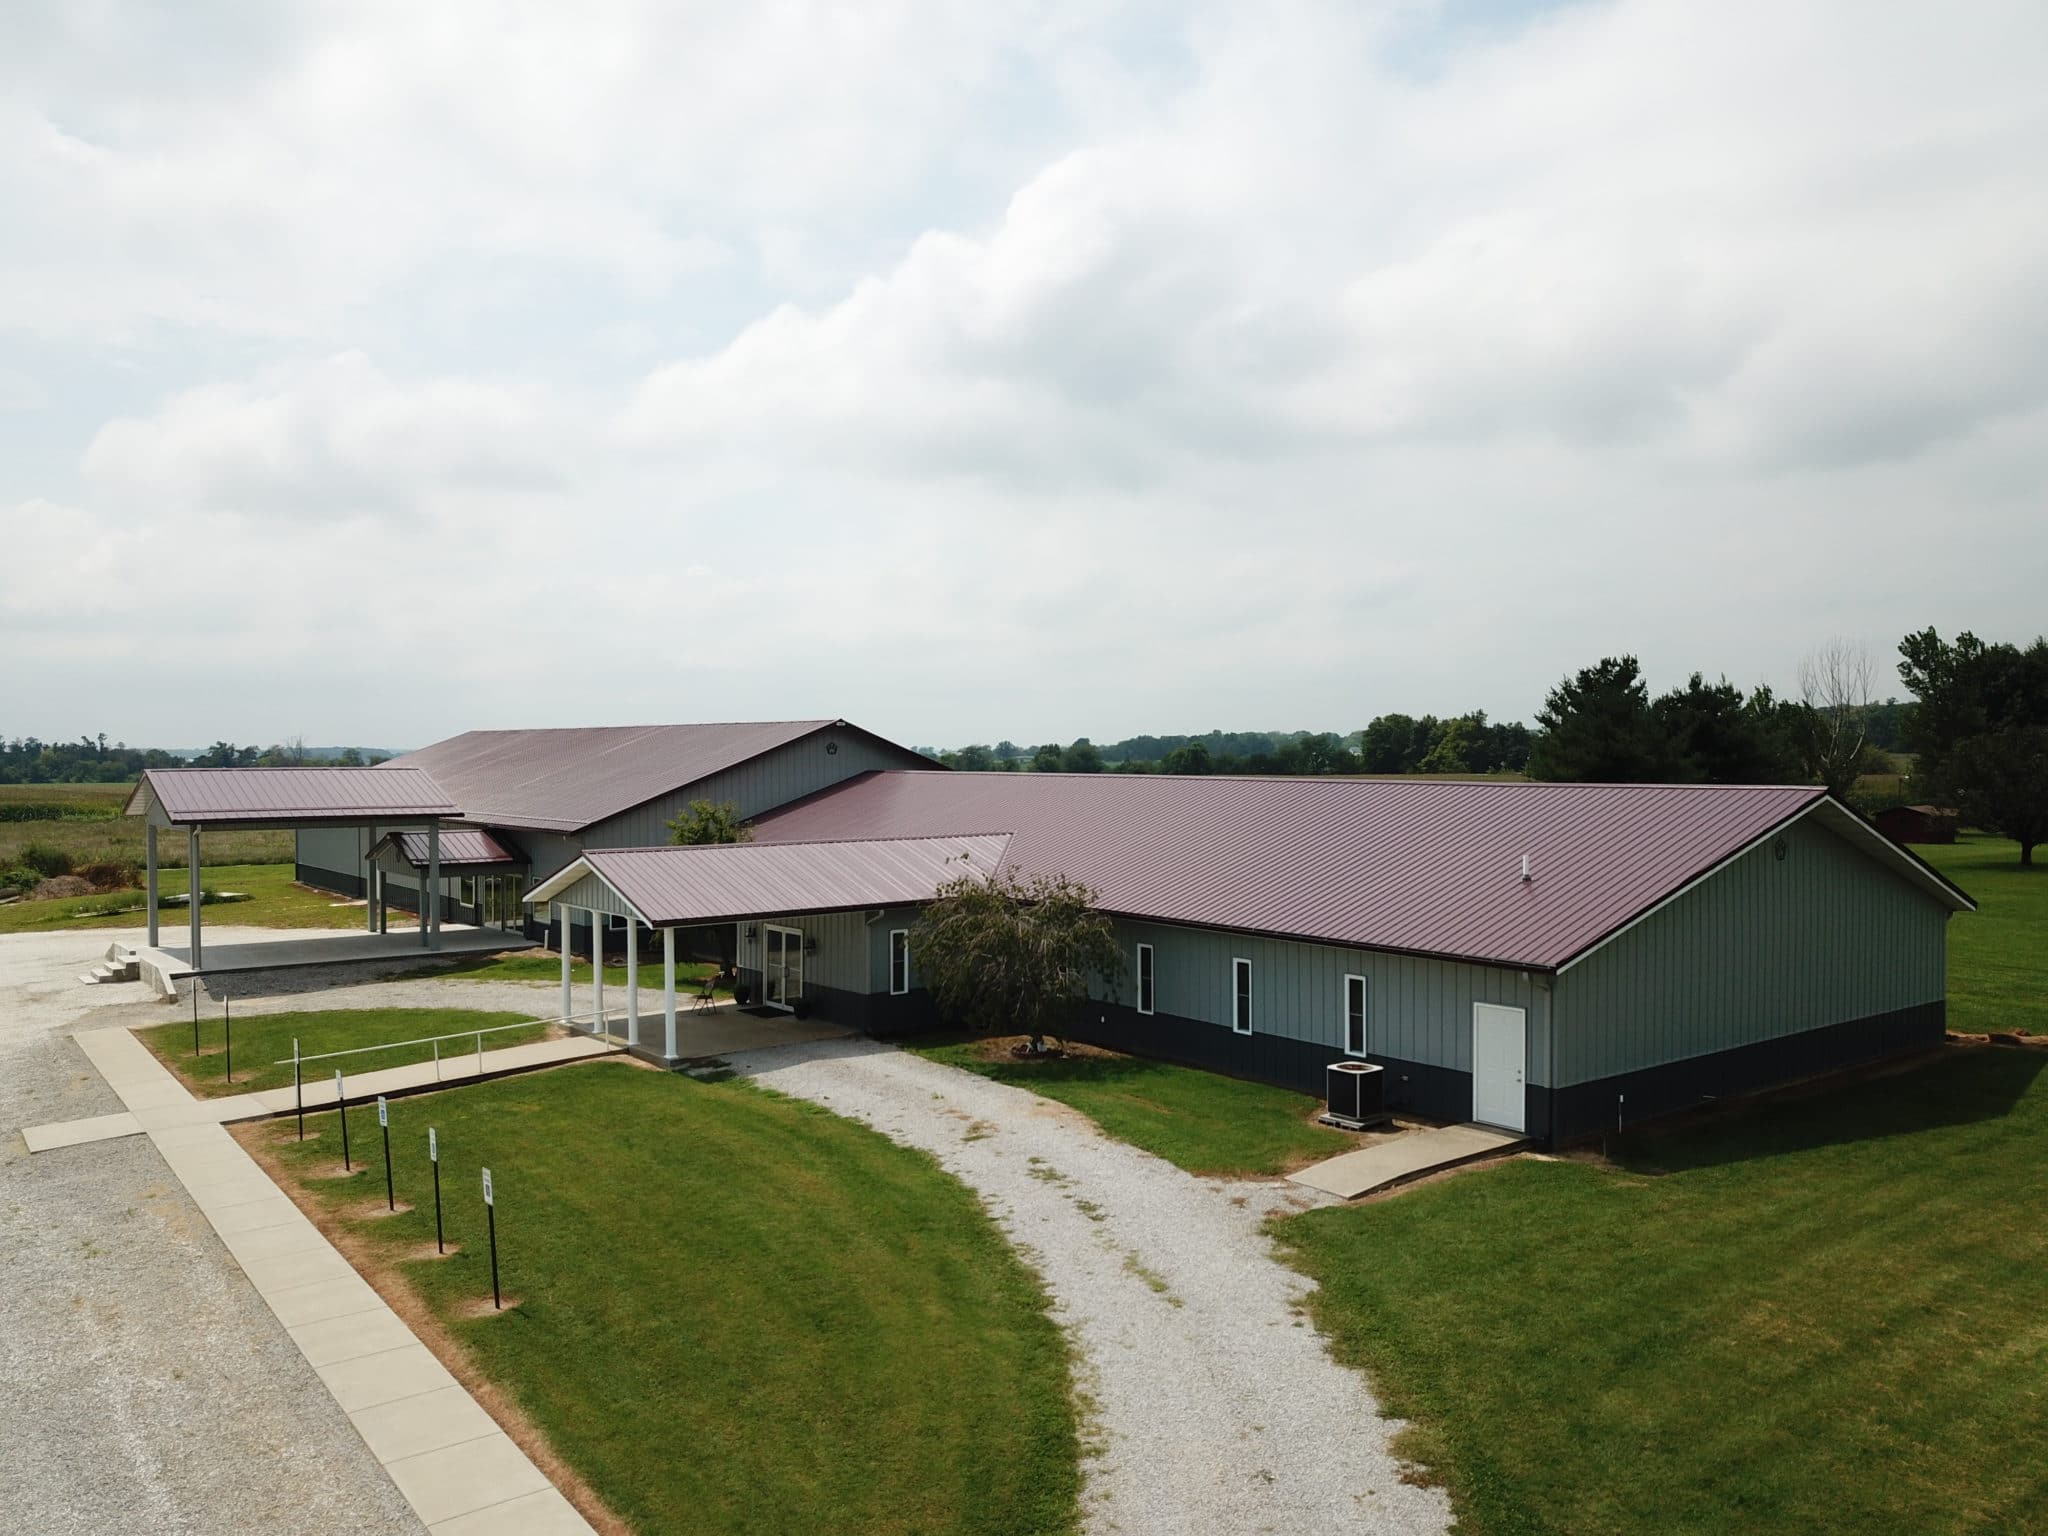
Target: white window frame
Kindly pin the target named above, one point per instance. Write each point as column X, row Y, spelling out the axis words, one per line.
column 1364, row 1016
column 1240, row 1023
column 1148, row 979
column 899, row 987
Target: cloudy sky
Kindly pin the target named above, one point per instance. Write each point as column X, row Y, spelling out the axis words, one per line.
column 373, row 372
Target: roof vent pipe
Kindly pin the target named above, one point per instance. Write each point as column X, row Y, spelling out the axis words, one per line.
column 1526, row 875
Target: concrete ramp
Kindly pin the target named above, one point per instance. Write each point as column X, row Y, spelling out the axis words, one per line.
column 1405, row 1158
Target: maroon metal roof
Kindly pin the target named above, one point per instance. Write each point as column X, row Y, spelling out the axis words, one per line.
column 727, row 882
column 563, row 780
column 1416, row 865
column 296, row 795
column 461, row 848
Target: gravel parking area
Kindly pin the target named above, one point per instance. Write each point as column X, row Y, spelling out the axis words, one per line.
column 146, row 1385
column 1217, row 1407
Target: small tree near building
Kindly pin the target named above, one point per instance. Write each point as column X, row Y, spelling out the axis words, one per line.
column 1015, row 956
column 709, row 822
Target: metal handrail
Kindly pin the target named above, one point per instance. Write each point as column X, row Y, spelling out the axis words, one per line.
column 393, row 1045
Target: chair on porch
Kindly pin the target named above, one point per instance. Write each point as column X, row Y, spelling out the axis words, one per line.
column 707, row 993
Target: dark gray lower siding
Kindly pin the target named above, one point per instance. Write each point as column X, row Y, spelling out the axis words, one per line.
column 350, row 886
column 1589, row 1109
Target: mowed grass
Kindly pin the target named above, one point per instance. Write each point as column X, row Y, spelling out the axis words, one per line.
column 1997, row 955
column 276, row 900
column 1825, row 1315
column 737, row 1313
column 264, row 1040
column 1200, row 1121
column 110, row 835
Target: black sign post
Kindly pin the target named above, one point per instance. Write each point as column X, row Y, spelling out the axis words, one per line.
column 299, row 1087
column 227, row 1024
column 341, row 1103
column 384, row 1124
column 491, row 1219
column 434, row 1157
column 195, row 1015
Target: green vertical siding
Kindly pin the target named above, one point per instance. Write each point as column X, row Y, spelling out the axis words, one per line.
column 775, row 778
column 841, row 960
column 1417, row 1010
column 1766, row 948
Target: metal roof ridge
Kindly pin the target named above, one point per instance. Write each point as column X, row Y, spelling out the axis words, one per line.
column 802, row 842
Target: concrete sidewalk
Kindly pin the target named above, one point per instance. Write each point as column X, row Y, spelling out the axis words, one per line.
column 158, row 1101
column 461, row 1473
column 1415, row 1155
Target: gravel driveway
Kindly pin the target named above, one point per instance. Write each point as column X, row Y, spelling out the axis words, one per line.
column 144, row 1386
column 1218, row 1408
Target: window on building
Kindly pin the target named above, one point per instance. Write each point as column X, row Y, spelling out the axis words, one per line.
column 1241, row 998
column 899, row 961
column 465, row 889
column 1144, row 978
column 1354, row 1016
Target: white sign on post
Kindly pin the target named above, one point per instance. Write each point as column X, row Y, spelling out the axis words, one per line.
column 383, row 1114
column 487, row 1186
column 433, row 1146
column 337, row 1085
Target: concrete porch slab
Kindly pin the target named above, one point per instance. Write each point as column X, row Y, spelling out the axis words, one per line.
column 1415, row 1155
column 166, row 964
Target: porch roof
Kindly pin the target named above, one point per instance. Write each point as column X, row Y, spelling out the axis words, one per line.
column 288, row 797
column 732, row 882
column 461, row 848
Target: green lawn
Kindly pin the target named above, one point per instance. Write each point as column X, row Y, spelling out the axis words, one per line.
column 1997, row 955
column 276, row 901
column 262, row 1039
column 1829, row 1314
column 1200, row 1121
column 546, row 965
column 738, row 1313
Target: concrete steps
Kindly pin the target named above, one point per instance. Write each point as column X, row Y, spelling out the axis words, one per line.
column 121, row 964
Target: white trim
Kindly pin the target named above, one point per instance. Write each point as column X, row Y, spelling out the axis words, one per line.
column 577, row 869
column 1147, row 978
column 1364, row 1016
column 894, row 935
column 1237, row 1027
column 1839, row 818
column 787, row 1005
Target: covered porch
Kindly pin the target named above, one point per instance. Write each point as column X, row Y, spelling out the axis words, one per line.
column 405, row 801
column 808, row 923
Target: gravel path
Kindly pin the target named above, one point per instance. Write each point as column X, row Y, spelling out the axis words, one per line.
column 1218, row 1408
column 144, row 1386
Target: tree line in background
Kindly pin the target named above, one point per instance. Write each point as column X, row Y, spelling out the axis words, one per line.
column 94, row 760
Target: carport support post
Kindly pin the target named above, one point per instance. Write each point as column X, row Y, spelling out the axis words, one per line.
column 192, row 901
column 149, row 855
column 563, row 912
column 632, row 982
column 370, row 883
column 668, row 993
column 433, row 934
column 597, row 972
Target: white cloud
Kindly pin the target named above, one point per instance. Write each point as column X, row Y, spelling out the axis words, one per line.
column 983, row 372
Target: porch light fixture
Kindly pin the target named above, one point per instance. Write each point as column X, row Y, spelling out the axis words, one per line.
column 810, row 946
column 753, row 932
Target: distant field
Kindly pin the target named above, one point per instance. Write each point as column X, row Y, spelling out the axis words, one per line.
column 1997, row 955
column 275, row 901
column 85, row 821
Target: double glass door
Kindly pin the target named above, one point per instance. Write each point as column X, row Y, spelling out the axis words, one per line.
column 782, row 968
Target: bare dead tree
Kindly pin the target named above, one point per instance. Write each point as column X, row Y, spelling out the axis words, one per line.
column 1838, row 684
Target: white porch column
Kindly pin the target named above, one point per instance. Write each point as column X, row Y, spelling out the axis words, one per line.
column 433, row 933
column 192, row 891
column 369, row 882
column 632, row 981
column 564, row 914
column 597, row 970
column 149, row 854
column 668, row 993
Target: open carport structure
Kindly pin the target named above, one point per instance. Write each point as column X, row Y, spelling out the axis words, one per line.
column 190, row 800
column 783, row 894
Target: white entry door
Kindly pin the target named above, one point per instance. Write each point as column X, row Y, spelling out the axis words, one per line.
column 1500, row 1060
